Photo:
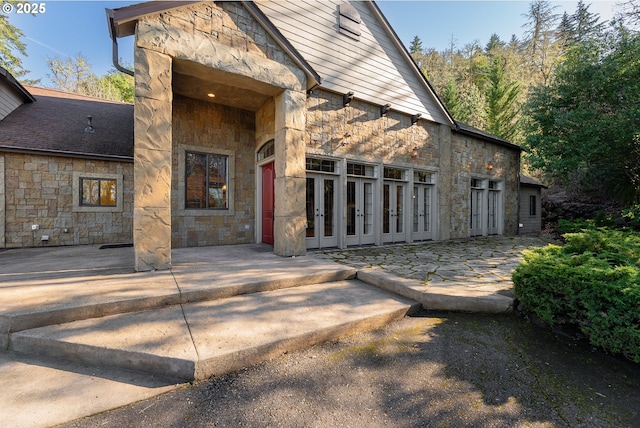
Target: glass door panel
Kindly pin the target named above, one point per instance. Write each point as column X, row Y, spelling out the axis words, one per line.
column 359, row 211
column 422, row 212
column 393, row 212
column 321, row 199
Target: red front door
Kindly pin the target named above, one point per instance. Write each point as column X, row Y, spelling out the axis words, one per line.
column 268, row 176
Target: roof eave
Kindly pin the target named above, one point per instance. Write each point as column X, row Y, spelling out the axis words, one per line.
column 67, row 154
column 125, row 18
column 486, row 137
column 24, row 94
column 122, row 22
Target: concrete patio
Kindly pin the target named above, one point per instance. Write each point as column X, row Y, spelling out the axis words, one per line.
column 77, row 322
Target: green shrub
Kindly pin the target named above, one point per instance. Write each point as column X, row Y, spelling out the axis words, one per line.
column 577, row 225
column 592, row 283
column 632, row 215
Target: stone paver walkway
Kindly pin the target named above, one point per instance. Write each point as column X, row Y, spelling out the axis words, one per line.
column 482, row 264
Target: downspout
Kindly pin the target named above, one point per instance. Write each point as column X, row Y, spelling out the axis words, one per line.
column 112, row 34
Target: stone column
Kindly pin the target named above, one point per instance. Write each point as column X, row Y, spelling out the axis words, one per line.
column 152, row 160
column 446, row 181
column 290, row 216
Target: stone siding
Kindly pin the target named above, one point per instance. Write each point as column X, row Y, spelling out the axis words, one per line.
column 470, row 158
column 39, row 190
column 359, row 133
column 222, row 23
column 213, row 128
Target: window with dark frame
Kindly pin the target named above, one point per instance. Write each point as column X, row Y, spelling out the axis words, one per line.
column 98, row 192
column 533, row 205
column 320, row 165
column 206, row 181
column 393, row 173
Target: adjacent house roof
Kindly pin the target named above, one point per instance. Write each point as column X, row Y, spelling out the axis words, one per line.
column 530, row 181
column 55, row 124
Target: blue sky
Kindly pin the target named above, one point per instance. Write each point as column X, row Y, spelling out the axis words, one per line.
column 69, row 27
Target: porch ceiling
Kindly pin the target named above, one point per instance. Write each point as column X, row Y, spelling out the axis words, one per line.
column 197, row 81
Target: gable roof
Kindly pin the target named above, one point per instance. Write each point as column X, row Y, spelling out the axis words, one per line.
column 122, row 22
column 373, row 64
column 55, row 124
column 377, row 67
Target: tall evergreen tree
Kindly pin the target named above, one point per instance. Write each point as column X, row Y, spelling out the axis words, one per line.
column 584, row 23
column 502, row 101
column 416, row 46
column 416, row 51
column 565, row 31
column 541, row 44
column 494, row 44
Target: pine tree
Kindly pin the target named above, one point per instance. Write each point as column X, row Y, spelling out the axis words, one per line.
column 502, row 101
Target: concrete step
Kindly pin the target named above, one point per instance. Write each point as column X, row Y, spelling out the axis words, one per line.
column 208, row 338
column 62, row 298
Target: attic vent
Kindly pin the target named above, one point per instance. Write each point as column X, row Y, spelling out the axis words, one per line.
column 349, row 21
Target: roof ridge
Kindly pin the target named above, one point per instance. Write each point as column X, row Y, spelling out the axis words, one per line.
column 71, row 95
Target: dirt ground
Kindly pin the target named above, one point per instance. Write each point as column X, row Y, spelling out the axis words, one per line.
column 429, row 370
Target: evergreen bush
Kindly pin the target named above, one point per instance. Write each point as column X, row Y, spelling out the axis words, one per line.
column 591, row 283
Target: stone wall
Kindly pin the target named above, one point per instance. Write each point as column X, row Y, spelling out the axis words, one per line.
column 470, row 158
column 222, row 23
column 213, row 128
column 40, row 190
column 358, row 132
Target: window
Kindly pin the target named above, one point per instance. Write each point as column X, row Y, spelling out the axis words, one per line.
column 206, row 181
column 532, row 205
column 266, row 151
column 422, row 177
column 360, row 169
column 477, row 183
column 321, row 165
column 394, row 173
column 98, row 192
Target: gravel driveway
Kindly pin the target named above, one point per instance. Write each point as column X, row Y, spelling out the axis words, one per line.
column 431, row 370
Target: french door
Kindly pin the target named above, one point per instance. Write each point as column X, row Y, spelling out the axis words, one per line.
column 476, row 212
column 268, row 206
column 422, row 212
column 360, row 217
column 321, row 202
column 393, row 212
column 494, row 212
